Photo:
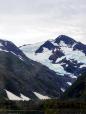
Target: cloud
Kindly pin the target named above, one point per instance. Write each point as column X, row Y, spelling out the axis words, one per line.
column 30, row 21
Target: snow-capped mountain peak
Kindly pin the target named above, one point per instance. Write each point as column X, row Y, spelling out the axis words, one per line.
column 67, row 40
column 63, row 55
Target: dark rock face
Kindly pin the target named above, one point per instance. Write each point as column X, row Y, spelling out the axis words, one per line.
column 47, row 45
column 9, row 46
column 56, row 54
column 71, row 66
column 77, row 90
column 66, row 39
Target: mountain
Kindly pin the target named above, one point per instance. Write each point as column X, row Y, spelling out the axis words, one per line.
column 77, row 90
column 63, row 55
column 23, row 79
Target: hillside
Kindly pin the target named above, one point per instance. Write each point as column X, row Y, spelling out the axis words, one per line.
column 24, row 79
column 78, row 90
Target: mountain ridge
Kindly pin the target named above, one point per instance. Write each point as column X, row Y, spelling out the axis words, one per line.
column 23, row 77
column 43, row 71
column 63, row 55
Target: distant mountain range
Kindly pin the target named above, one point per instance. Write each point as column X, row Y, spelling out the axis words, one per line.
column 40, row 71
column 23, row 79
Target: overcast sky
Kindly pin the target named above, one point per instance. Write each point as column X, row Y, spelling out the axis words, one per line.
column 30, row 21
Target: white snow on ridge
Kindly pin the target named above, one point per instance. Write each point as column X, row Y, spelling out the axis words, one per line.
column 53, row 42
column 4, row 50
column 40, row 96
column 31, row 48
column 59, row 59
column 62, row 44
column 73, row 54
column 13, row 53
column 20, row 57
column 74, row 45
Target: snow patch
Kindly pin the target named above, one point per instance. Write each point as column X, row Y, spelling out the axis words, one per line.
column 24, row 97
column 69, row 83
column 72, row 76
column 40, row 96
column 84, row 65
column 62, row 89
column 13, row 53
column 73, row 54
column 66, row 65
column 53, row 42
column 59, row 59
column 3, row 50
column 12, row 96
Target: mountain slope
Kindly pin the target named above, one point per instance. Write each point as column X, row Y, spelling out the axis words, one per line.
column 24, row 79
column 63, row 55
column 77, row 90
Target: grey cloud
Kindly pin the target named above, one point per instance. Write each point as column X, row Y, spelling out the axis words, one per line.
column 42, row 18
